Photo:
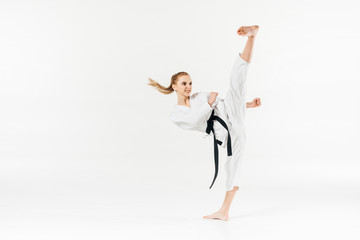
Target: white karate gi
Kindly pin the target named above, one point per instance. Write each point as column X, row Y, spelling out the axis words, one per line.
column 231, row 109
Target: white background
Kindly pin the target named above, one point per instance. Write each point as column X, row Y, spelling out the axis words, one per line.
column 87, row 150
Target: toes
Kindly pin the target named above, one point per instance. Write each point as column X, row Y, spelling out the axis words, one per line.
column 241, row 29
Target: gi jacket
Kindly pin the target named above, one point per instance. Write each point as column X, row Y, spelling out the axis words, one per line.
column 195, row 117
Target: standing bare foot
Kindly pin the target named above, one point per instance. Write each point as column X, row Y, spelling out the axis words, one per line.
column 218, row 215
column 248, row 31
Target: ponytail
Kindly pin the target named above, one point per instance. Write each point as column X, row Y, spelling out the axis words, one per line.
column 169, row 89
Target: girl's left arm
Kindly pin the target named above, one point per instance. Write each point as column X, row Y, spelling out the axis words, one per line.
column 255, row 103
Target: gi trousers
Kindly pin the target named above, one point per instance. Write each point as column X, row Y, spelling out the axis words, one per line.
column 235, row 105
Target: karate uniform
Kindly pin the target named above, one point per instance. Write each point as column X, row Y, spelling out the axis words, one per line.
column 231, row 110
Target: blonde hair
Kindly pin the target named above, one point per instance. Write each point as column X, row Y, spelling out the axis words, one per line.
column 169, row 89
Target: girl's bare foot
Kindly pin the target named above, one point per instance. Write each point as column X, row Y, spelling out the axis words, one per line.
column 248, row 31
column 218, row 215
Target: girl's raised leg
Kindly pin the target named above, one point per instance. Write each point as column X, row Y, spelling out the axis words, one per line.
column 250, row 32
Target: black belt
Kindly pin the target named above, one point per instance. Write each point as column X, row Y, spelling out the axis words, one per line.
column 210, row 127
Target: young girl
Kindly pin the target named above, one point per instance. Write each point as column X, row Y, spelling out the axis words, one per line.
column 205, row 112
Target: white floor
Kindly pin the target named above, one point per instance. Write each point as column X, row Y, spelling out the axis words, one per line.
column 89, row 207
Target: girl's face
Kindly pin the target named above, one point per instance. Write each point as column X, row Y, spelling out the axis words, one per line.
column 183, row 85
